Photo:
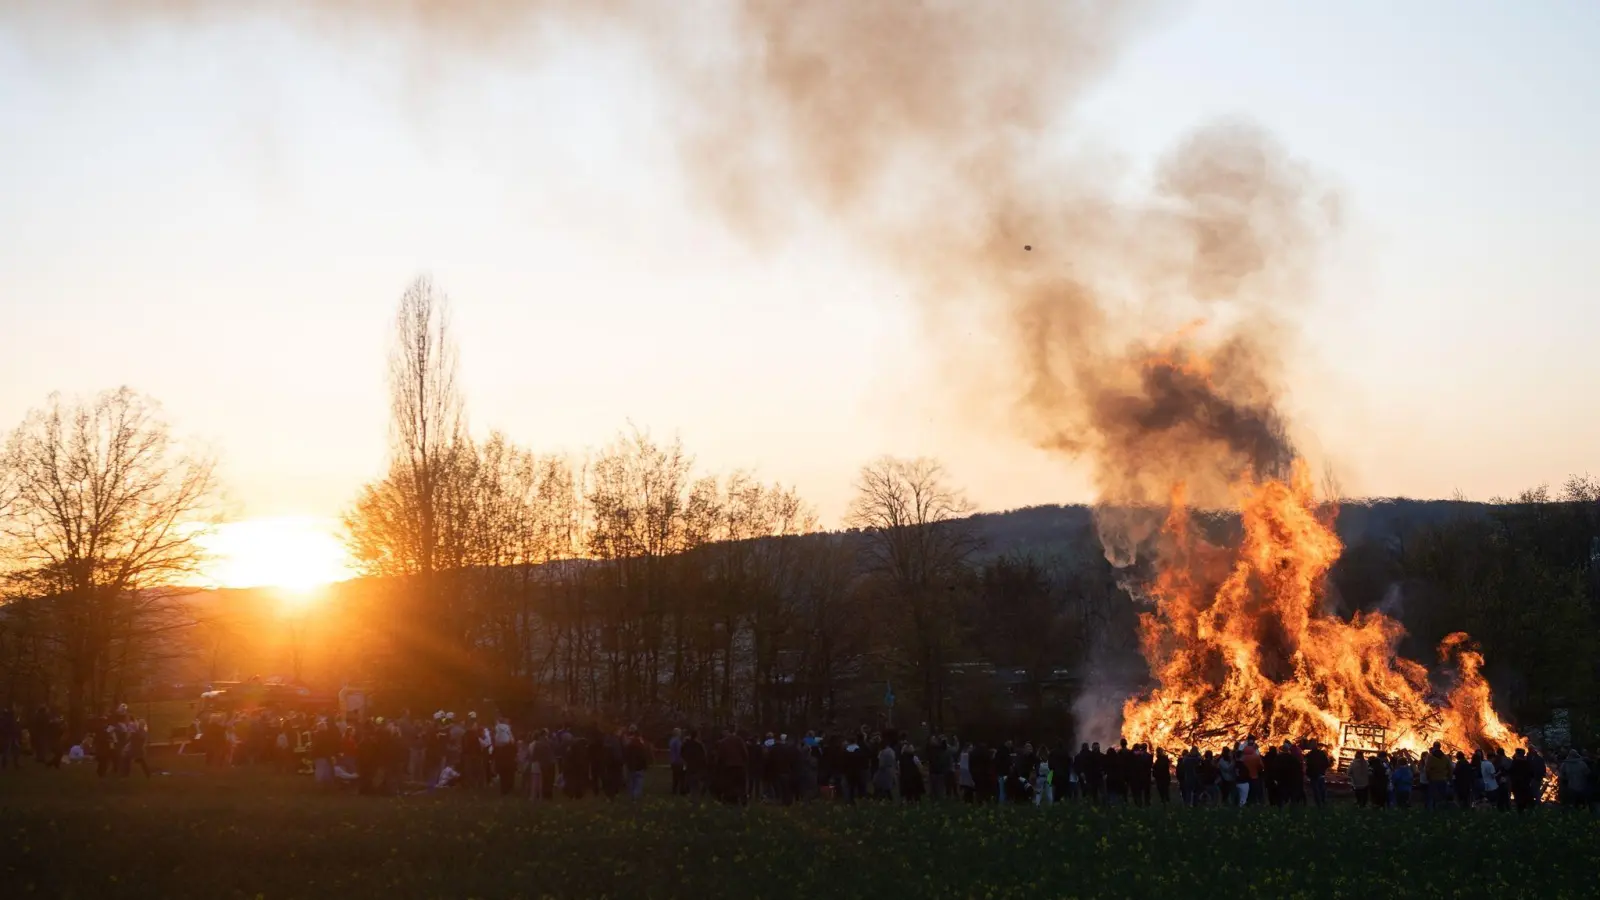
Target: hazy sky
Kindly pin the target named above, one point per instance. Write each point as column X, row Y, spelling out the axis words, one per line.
column 224, row 218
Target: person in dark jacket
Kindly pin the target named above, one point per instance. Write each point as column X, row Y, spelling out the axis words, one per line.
column 756, row 770
column 503, row 755
column 10, row 739
column 1188, row 772
column 981, row 764
column 474, row 758
column 1536, row 777
column 105, row 745
column 1060, row 762
column 781, row 759
column 911, row 779
column 733, row 758
column 1161, row 769
column 694, row 765
column 1002, row 768
column 1521, row 780
column 544, row 755
column 1080, row 766
column 576, row 767
column 1094, row 769
column 1462, row 777
column 138, row 739
column 1378, row 781
column 941, row 768
column 1317, row 765
column 1140, row 766
column 1294, row 774
column 680, row 772
column 1116, row 774
column 1024, row 767
column 636, row 756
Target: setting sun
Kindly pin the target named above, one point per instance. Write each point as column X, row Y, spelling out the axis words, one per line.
column 296, row 553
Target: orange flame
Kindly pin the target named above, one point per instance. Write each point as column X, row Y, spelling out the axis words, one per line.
column 1241, row 646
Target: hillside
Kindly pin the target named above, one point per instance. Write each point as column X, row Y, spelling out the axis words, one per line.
column 1056, row 529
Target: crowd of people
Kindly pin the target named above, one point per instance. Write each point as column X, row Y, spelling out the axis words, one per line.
column 388, row 755
column 444, row 750
column 880, row 766
column 116, row 741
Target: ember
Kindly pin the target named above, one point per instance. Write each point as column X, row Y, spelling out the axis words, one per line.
column 1240, row 644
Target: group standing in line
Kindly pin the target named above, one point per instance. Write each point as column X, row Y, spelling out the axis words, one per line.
column 445, row 751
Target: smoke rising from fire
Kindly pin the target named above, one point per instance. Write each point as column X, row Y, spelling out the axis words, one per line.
column 939, row 136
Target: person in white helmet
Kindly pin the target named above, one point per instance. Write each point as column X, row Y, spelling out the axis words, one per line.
column 504, row 756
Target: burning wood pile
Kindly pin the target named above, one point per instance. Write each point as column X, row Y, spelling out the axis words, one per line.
column 1240, row 644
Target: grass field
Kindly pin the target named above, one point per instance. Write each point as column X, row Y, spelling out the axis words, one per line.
column 250, row 834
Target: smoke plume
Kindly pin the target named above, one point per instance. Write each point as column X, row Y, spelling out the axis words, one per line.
column 1141, row 318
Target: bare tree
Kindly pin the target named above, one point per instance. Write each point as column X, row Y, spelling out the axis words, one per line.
column 415, row 522
column 918, row 543
column 561, row 535
column 102, row 534
column 831, row 633
column 425, row 419
column 637, row 495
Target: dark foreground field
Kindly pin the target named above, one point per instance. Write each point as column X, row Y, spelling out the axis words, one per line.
column 247, row 834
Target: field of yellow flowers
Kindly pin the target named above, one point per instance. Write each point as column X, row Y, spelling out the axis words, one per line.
column 254, row 835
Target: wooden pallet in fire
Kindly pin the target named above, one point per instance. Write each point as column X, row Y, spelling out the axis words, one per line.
column 1364, row 736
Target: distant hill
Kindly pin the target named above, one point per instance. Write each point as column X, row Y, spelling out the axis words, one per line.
column 1038, row 530
column 1056, row 530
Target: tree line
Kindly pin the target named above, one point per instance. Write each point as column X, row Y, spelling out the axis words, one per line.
column 623, row 583
column 626, row 584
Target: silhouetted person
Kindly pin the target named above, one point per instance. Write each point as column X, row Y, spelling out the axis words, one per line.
column 1521, row 780
column 980, row 762
column 1115, row 775
column 1083, row 765
column 104, row 746
column 1378, row 784
column 1462, row 777
column 1402, row 779
column 1502, row 768
column 504, row 757
column 1536, row 777
column 1294, row 774
column 576, row 767
column 1317, row 765
column 732, row 760
column 694, row 765
column 1439, row 772
column 1360, row 773
column 1140, row 769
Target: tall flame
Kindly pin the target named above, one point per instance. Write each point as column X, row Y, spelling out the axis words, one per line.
column 1241, row 645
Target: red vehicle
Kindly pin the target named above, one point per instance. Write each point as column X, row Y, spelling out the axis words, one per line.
column 230, row 697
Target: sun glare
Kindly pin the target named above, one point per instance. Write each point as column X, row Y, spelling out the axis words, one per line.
column 294, row 553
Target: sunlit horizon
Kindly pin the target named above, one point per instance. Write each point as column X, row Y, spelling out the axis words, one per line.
column 297, row 554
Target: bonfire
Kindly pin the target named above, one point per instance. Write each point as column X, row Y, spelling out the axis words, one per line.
column 1240, row 643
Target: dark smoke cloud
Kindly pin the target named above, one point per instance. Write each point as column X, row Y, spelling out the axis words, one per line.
column 1144, row 329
